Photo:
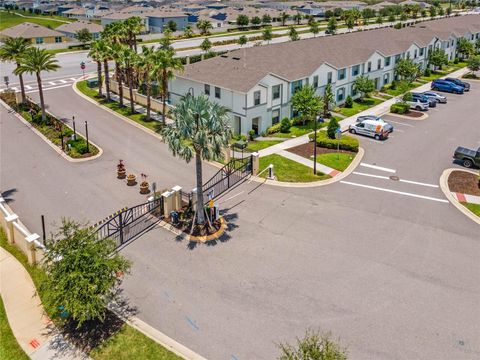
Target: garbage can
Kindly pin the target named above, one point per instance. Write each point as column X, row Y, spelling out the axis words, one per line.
column 174, row 217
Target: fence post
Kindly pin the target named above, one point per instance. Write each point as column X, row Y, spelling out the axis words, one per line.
column 121, row 227
column 255, row 163
column 10, row 233
column 31, row 254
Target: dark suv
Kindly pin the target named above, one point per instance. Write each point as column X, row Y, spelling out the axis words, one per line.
column 466, row 86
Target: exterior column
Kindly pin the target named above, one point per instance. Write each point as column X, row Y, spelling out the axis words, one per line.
column 177, row 198
column 10, row 233
column 255, row 163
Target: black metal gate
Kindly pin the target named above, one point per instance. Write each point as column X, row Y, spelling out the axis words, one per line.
column 132, row 222
column 228, row 176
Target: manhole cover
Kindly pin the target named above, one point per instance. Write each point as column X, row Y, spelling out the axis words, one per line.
column 394, row 178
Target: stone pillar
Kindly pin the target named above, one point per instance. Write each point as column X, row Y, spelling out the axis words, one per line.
column 31, row 253
column 188, row 60
column 167, row 202
column 226, row 154
column 10, row 233
column 255, row 163
column 177, row 198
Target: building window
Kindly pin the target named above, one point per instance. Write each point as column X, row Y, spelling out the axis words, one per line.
column 275, row 116
column 369, row 66
column 58, row 39
column 276, row 92
column 386, row 79
column 296, row 85
column 329, row 77
column 315, row 81
column 256, row 98
column 408, row 54
column 340, row 94
column 207, row 89
column 415, row 54
column 355, row 70
column 379, row 64
column 341, row 74
column 422, row 51
column 39, row 40
column 217, row 92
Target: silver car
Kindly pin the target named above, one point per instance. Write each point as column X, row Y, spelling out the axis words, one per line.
column 436, row 96
column 388, row 127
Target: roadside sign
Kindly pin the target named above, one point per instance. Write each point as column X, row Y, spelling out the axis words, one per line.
column 82, row 65
column 338, row 134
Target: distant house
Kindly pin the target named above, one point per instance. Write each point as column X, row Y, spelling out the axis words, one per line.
column 70, row 30
column 85, row 13
column 422, row 4
column 158, row 20
column 37, row 34
column 122, row 16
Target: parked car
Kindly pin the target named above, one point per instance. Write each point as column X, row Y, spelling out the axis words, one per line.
column 370, row 128
column 468, row 157
column 433, row 95
column 388, row 127
column 458, row 82
column 442, row 85
column 423, row 98
column 418, row 104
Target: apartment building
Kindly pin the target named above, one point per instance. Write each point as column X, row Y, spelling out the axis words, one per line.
column 257, row 83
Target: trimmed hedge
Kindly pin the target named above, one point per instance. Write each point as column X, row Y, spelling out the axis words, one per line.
column 274, row 129
column 347, row 142
column 399, row 108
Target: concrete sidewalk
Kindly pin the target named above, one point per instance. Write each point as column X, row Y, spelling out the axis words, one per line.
column 35, row 332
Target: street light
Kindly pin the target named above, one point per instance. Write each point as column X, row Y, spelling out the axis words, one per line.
column 318, row 118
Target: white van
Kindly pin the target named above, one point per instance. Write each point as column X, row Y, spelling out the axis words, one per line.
column 370, row 128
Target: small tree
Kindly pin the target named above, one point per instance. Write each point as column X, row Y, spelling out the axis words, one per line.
column 465, row 48
column 314, row 28
column 84, row 36
column 313, row 347
column 473, row 64
column 83, row 272
column 391, row 18
column 332, row 128
column 332, row 25
column 328, row 100
column 206, row 45
column 267, row 34
column 266, row 19
column 364, row 86
column 407, row 69
column 188, row 31
column 242, row 20
column 256, row 21
column 204, row 26
column 293, row 34
column 307, row 103
column 350, row 22
column 438, row 58
column 433, row 11
column 328, row 14
column 172, row 26
column 242, row 40
column 348, row 102
column 284, row 17
column 379, row 19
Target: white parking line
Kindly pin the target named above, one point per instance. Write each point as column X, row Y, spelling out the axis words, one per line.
column 400, row 180
column 399, row 123
column 63, row 81
column 395, row 192
column 52, row 83
column 378, row 168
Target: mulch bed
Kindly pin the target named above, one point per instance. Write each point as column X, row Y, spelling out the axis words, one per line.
column 306, row 150
column 413, row 114
column 185, row 225
column 464, row 182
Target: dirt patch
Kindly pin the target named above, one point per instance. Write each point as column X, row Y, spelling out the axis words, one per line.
column 306, row 150
column 464, row 182
column 413, row 114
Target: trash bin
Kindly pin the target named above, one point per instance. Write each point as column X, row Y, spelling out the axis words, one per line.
column 174, row 217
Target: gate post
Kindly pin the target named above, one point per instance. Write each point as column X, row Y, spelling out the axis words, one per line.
column 255, row 159
column 177, row 199
column 121, row 227
column 168, row 202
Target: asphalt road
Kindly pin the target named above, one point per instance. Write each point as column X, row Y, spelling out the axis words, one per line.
column 388, row 266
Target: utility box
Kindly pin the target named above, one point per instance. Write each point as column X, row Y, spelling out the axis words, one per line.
column 91, row 83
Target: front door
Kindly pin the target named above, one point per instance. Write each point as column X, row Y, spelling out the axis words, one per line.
column 255, row 124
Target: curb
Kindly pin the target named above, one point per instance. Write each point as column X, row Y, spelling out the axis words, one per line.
column 356, row 161
column 448, row 194
column 52, row 145
column 423, row 117
column 124, row 118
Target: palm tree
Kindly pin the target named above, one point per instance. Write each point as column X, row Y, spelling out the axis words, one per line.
column 165, row 66
column 133, row 26
column 188, row 31
column 97, row 54
column 116, row 52
column 201, row 130
column 146, row 67
column 129, row 58
column 204, row 26
column 284, row 17
column 35, row 61
column 13, row 50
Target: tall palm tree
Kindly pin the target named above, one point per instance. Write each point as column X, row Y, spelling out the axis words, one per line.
column 97, row 53
column 129, row 59
column 13, row 50
column 116, row 51
column 146, row 70
column 133, row 26
column 201, row 130
column 34, row 62
column 165, row 66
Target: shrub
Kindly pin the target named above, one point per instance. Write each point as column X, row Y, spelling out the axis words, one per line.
column 273, row 129
column 347, row 142
column 456, row 61
column 394, row 84
column 285, row 125
column 348, row 102
column 407, row 96
column 427, row 72
column 399, row 108
column 332, row 128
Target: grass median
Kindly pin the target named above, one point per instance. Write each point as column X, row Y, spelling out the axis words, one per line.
column 289, row 171
column 125, row 344
column 474, row 208
column 8, row 19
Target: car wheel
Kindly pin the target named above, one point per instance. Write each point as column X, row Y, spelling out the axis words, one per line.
column 377, row 137
column 418, row 108
column 352, row 131
column 467, row 163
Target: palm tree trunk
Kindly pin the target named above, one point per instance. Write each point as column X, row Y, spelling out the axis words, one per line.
column 120, row 84
column 165, row 94
column 42, row 102
column 22, row 86
column 135, row 43
column 99, row 76
column 107, row 79
column 130, row 89
column 198, row 167
column 149, row 101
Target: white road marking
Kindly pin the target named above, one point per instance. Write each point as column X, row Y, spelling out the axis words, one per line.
column 395, row 192
column 63, row 81
column 52, row 83
column 28, row 87
column 378, row 168
column 49, row 88
column 399, row 123
column 401, row 180
column 73, row 79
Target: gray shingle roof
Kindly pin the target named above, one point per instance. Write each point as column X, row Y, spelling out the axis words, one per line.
column 28, row 31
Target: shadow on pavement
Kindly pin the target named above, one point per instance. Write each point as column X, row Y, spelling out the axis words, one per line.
column 7, row 195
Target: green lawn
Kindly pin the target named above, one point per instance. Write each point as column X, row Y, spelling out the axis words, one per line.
column 359, row 106
column 9, row 348
column 125, row 111
column 397, row 91
column 254, row 146
column 337, row 161
column 434, row 75
column 9, row 19
column 475, row 208
column 299, row 130
column 288, row 170
column 128, row 343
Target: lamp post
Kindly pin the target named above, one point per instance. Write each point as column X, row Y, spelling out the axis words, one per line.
column 74, row 130
column 317, row 119
column 86, row 135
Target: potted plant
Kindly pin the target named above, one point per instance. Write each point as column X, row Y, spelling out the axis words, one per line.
column 144, row 186
column 131, row 180
column 121, row 171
